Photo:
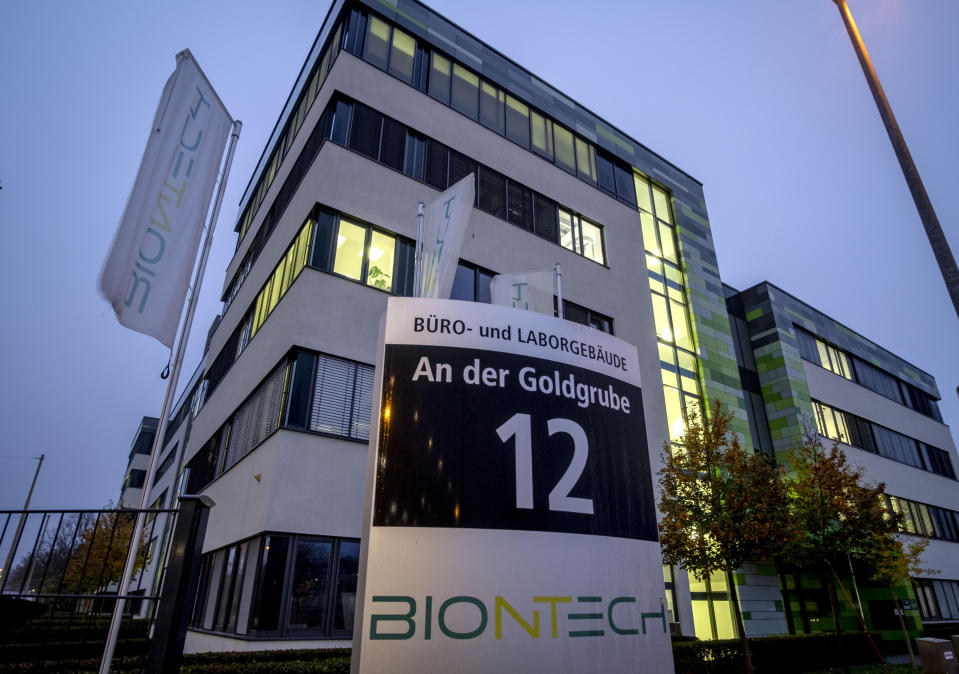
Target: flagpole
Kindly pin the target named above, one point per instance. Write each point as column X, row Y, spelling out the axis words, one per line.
column 133, row 549
column 559, row 289
column 418, row 261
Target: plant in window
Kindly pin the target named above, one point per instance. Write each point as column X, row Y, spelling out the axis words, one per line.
column 379, row 278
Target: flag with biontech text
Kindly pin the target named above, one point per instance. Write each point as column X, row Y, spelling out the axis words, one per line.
column 444, row 227
column 147, row 270
column 531, row 290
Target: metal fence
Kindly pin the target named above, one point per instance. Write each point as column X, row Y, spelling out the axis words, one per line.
column 60, row 581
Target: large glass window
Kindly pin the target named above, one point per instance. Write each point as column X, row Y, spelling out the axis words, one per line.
column 565, row 156
column 402, row 55
column 265, row 616
column 492, row 104
column 465, row 91
column 377, row 42
column 308, row 586
column 517, row 121
column 581, row 236
column 350, row 245
column 440, row 78
column 302, row 585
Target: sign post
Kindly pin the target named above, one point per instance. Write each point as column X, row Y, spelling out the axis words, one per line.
column 510, row 516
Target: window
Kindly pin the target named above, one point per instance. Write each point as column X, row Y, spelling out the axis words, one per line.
column 925, row 520
column 852, row 430
column 285, row 140
column 283, row 276
column 492, row 103
column 581, row 236
column 585, row 160
column 377, row 42
column 440, row 78
column 465, row 91
column 342, row 398
column 300, row 586
column 517, row 121
column 165, row 465
column 471, row 283
column 592, row 319
column 938, row 599
column 565, row 157
column 135, row 479
column 425, row 159
column 542, row 129
column 402, row 56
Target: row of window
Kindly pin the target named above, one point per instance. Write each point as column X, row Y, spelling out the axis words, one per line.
column 350, row 248
column 306, row 391
column 303, row 104
column 363, row 129
column 293, row 585
column 383, row 139
column 450, row 82
column 853, row 430
column 926, row 520
column 330, row 242
column 834, row 359
column 938, row 599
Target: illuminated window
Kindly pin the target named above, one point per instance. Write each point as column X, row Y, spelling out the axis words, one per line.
column 581, row 236
column 565, row 156
column 712, row 609
column 350, row 245
column 585, row 160
column 380, row 272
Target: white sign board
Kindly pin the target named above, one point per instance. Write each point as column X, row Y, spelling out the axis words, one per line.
column 511, row 519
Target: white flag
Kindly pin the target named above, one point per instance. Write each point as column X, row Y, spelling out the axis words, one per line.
column 532, row 291
column 444, row 227
column 147, row 270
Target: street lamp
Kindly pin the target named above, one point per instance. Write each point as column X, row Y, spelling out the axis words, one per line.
column 937, row 238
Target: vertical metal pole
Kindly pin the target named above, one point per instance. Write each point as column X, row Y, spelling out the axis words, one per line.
column 418, row 262
column 23, row 520
column 930, row 222
column 133, row 549
column 559, row 289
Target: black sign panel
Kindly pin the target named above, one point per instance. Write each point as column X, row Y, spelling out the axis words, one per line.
column 483, row 439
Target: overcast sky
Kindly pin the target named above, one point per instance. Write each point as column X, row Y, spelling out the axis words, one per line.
column 763, row 102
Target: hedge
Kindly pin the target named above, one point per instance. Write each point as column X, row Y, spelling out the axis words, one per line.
column 779, row 654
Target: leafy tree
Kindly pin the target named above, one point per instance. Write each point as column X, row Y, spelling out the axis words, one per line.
column 894, row 562
column 836, row 514
column 722, row 505
column 99, row 556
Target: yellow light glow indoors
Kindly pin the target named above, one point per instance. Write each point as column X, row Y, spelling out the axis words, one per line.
column 456, row 512
column 679, row 427
column 375, row 253
column 666, row 335
column 386, row 414
column 340, row 239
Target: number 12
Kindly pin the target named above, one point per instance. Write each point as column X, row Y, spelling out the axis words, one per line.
column 519, row 427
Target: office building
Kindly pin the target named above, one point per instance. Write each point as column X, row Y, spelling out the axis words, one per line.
column 803, row 371
column 393, row 105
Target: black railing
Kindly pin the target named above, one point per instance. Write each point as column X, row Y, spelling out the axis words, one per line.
column 60, row 582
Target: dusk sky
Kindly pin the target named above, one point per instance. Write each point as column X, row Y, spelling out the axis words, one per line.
column 763, row 102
